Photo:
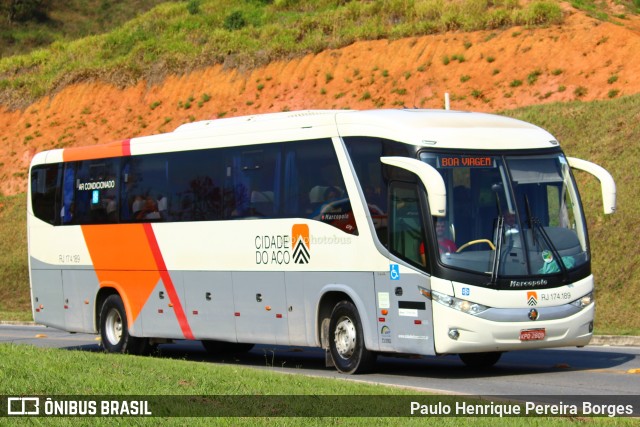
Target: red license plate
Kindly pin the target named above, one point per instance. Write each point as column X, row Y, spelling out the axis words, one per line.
column 532, row 334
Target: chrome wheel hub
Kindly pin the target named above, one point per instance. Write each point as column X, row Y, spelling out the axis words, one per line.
column 345, row 337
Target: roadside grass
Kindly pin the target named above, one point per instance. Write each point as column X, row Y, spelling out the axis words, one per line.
column 31, row 371
column 605, row 132
column 174, row 37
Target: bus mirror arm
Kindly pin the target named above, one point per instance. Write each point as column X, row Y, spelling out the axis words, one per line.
column 430, row 177
column 606, row 181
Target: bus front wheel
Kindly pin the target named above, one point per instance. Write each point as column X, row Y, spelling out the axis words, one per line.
column 346, row 340
column 114, row 330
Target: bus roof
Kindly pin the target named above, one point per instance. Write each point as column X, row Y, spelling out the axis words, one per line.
column 446, row 129
column 439, row 128
column 429, row 128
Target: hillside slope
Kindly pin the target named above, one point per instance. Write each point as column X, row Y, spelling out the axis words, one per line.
column 583, row 59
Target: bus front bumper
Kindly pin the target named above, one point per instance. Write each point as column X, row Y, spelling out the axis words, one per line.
column 457, row 332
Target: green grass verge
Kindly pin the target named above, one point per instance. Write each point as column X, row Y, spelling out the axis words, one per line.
column 29, row 371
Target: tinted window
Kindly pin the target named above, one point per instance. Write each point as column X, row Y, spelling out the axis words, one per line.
column 314, row 186
column 96, row 191
column 253, row 181
column 365, row 153
column 45, row 180
column 406, row 226
column 144, row 188
column 282, row 180
column 194, row 188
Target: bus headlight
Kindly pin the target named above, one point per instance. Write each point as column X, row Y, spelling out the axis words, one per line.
column 458, row 304
column 584, row 301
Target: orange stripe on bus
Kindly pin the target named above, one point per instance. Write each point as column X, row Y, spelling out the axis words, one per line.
column 113, row 149
column 122, row 259
column 127, row 257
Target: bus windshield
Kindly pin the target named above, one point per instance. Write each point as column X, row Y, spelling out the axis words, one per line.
column 509, row 215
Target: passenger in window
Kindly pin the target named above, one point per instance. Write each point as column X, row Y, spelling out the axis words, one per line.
column 111, row 209
column 331, row 195
column 68, row 217
column 162, row 207
column 137, row 206
column 149, row 211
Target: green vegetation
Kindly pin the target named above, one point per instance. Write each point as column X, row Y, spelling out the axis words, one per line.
column 594, row 8
column 15, row 301
column 176, row 37
column 532, row 78
column 31, row 24
column 30, row 371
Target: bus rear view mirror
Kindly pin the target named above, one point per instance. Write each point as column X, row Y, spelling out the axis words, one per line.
column 606, row 181
column 430, row 177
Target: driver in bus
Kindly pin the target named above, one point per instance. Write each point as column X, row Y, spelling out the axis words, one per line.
column 445, row 245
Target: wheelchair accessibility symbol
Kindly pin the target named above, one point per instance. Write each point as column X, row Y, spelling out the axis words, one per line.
column 394, row 271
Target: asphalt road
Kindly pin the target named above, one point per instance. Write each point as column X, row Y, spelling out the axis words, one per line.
column 593, row 370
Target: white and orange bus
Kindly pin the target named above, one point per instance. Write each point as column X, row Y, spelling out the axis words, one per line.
column 361, row 232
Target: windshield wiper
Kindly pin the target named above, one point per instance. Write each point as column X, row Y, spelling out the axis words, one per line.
column 498, row 244
column 534, row 223
column 498, row 250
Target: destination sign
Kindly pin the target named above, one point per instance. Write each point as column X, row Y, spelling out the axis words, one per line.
column 465, row 161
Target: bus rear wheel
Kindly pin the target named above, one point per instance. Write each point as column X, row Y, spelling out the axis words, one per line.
column 114, row 330
column 480, row 360
column 346, row 340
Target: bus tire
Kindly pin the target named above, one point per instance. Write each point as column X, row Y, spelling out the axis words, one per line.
column 480, row 360
column 346, row 340
column 114, row 330
column 221, row 347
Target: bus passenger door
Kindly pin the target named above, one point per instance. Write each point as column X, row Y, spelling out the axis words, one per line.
column 260, row 307
column 405, row 317
column 408, row 325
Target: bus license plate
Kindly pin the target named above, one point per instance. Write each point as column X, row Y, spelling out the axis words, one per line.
column 532, row 334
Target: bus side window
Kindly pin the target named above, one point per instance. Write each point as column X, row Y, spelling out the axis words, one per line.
column 406, row 227
column 95, row 192
column 67, row 212
column 44, row 181
column 253, row 182
column 316, row 189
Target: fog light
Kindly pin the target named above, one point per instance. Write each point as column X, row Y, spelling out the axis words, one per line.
column 454, row 334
